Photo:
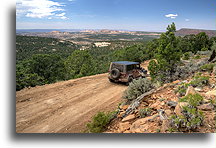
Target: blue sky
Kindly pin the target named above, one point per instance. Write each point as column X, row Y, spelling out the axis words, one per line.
column 146, row 15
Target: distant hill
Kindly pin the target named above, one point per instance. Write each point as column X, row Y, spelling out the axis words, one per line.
column 26, row 46
column 186, row 31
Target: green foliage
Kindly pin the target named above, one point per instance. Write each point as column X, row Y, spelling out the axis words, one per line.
column 153, row 67
column 186, row 56
column 79, row 64
column 197, row 57
column 199, row 80
column 182, row 89
column 167, row 56
column 27, row 46
column 190, row 120
column 145, row 112
column 137, row 88
column 207, row 67
column 133, row 53
column 171, row 28
column 193, row 99
column 39, row 69
column 99, row 122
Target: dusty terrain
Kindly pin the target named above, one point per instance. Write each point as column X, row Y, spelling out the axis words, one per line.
column 65, row 107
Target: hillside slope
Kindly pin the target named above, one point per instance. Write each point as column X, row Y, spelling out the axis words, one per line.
column 186, row 31
column 65, row 107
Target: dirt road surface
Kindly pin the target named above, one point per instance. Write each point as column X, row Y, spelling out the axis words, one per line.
column 65, row 107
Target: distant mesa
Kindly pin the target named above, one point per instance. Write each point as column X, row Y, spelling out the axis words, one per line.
column 55, row 31
column 187, row 31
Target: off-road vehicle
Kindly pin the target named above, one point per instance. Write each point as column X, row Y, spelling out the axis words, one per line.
column 125, row 71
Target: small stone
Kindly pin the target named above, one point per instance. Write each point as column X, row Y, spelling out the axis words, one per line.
column 165, row 126
column 176, row 82
column 124, row 107
column 198, row 89
column 128, row 118
column 124, row 126
column 190, row 90
column 211, row 93
column 127, row 131
column 172, row 103
column 168, row 112
column 162, row 103
column 120, row 114
column 178, row 108
column 156, row 105
column 206, row 107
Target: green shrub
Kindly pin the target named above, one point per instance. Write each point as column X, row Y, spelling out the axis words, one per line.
column 204, row 49
column 207, row 67
column 190, row 120
column 197, row 57
column 192, row 99
column 153, row 68
column 199, row 81
column 99, row 122
column 186, row 56
column 145, row 112
column 182, row 89
column 137, row 88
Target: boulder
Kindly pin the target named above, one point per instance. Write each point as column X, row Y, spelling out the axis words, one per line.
column 211, row 93
column 124, row 126
column 165, row 126
column 128, row 118
column 190, row 90
column 206, row 107
column 145, row 125
column 179, row 108
column 168, row 112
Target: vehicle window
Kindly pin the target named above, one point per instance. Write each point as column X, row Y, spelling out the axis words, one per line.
column 119, row 67
column 137, row 66
column 130, row 67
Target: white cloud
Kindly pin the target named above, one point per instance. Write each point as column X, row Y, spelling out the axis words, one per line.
column 172, row 16
column 187, row 20
column 38, row 8
column 62, row 16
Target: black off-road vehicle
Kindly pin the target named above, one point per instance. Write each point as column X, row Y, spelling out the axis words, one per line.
column 125, row 71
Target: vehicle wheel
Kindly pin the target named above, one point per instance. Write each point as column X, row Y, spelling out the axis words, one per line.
column 111, row 80
column 130, row 79
column 115, row 73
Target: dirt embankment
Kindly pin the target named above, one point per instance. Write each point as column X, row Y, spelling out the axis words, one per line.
column 65, row 107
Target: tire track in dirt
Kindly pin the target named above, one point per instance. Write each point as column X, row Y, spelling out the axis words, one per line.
column 65, row 106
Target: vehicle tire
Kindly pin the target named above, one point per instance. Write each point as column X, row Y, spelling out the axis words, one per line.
column 111, row 80
column 130, row 79
column 115, row 73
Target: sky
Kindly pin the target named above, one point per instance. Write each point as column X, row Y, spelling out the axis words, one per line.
column 137, row 15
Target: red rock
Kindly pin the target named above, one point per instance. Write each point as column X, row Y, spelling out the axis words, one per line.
column 178, row 108
column 128, row 118
column 124, row 126
column 206, row 107
column 190, row 90
column 124, row 107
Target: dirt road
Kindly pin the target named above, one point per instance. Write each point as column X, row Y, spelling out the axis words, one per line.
column 65, row 107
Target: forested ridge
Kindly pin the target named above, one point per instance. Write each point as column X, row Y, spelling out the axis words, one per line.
column 46, row 60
